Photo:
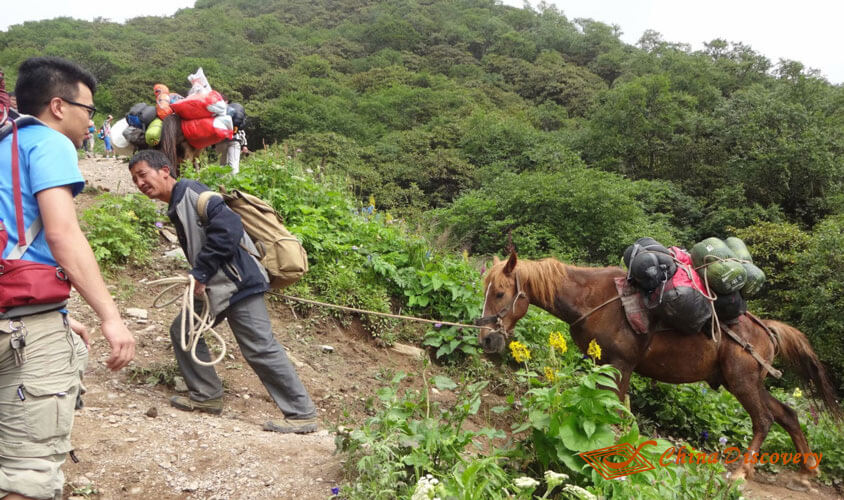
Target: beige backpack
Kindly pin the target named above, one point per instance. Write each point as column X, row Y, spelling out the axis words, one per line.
column 281, row 253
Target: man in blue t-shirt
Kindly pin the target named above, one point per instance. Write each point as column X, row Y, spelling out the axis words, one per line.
column 38, row 391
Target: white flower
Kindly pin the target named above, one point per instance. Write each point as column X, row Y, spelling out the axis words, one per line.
column 526, row 482
column 554, row 478
column 579, row 492
column 425, row 487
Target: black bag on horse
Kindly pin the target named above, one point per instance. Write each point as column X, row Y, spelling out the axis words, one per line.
column 649, row 264
column 730, row 306
column 680, row 302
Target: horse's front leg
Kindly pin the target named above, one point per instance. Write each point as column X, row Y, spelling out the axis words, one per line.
column 622, row 381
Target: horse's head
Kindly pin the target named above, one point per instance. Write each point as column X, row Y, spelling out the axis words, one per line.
column 505, row 303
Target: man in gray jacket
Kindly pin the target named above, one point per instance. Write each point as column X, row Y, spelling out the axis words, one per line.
column 222, row 261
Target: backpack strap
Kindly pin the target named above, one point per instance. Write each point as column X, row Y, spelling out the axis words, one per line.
column 202, row 204
column 25, row 236
column 23, row 245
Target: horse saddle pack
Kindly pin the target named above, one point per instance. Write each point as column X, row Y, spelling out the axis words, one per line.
column 633, row 305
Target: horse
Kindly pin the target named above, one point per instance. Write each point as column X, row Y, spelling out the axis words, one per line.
column 583, row 298
column 174, row 145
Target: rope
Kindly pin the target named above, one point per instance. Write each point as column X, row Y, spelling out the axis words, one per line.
column 611, row 299
column 197, row 325
column 364, row 311
column 716, row 327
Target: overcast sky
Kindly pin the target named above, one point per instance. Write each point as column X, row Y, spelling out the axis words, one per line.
column 808, row 31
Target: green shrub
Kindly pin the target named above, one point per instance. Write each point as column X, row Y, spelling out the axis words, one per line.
column 576, row 214
column 121, row 229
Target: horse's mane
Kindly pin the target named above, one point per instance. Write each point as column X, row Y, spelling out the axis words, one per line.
column 546, row 276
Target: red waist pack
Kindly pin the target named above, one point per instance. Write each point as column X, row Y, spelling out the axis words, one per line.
column 23, row 282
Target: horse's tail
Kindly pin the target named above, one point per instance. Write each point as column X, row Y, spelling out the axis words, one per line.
column 171, row 136
column 798, row 353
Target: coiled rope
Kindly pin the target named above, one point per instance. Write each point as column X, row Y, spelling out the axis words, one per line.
column 192, row 326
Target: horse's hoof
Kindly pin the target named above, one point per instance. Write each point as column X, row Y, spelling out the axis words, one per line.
column 801, row 485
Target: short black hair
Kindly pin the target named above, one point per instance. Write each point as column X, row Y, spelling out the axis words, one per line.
column 42, row 78
column 152, row 157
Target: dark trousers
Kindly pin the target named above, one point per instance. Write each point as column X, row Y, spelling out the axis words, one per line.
column 250, row 323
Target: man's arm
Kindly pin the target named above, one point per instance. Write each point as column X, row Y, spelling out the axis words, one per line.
column 73, row 253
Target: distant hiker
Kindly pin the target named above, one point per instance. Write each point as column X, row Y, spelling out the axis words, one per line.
column 88, row 140
column 105, row 132
column 41, row 359
column 230, row 151
column 222, row 261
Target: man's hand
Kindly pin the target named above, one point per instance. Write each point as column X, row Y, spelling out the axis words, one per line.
column 122, row 344
column 199, row 289
column 81, row 330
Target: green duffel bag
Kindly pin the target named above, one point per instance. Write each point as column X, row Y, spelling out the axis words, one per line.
column 710, row 250
column 724, row 276
column 755, row 280
column 739, row 248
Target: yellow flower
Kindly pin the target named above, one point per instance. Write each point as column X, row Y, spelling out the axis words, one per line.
column 594, row 350
column 549, row 374
column 465, row 255
column 372, row 200
column 557, row 341
column 797, row 393
column 520, row 351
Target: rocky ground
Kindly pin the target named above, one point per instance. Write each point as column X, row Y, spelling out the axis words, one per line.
column 132, row 444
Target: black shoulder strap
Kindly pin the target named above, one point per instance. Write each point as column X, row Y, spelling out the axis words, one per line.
column 22, row 121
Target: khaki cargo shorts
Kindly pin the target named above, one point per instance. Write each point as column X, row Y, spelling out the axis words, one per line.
column 37, row 401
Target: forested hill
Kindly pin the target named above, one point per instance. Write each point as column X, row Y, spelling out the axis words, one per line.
column 436, row 104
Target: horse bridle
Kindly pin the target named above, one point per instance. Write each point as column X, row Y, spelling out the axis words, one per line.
column 496, row 318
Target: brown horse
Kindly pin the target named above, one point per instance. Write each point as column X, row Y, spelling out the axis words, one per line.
column 174, row 145
column 570, row 292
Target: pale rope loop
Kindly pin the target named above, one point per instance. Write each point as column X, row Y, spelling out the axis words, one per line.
column 716, row 323
column 374, row 313
column 192, row 326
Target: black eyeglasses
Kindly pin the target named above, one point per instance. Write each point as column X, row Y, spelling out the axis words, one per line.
column 91, row 109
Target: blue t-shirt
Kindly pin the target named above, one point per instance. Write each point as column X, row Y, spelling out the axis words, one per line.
column 47, row 159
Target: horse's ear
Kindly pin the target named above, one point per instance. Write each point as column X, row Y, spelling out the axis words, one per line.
column 511, row 263
column 495, row 260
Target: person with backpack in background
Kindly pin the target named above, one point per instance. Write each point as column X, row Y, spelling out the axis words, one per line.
column 42, row 350
column 231, row 150
column 223, row 263
column 105, row 135
column 88, row 140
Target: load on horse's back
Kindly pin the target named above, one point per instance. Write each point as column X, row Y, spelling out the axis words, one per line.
column 586, row 298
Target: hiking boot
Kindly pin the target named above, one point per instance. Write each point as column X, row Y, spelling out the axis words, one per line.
column 291, row 425
column 212, row 406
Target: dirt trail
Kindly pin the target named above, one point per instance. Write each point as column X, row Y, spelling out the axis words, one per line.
column 132, row 444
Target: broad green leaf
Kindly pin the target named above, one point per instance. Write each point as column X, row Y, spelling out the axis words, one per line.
column 443, row 383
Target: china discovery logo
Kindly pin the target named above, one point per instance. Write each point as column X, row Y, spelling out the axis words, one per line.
column 632, row 461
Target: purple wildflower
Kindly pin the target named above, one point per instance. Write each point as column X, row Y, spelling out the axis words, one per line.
column 438, row 325
column 159, row 225
column 722, row 440
column 704, row 435
column 335, row 490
